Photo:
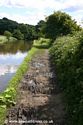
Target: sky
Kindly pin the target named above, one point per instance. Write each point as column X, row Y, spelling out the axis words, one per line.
column 32, row 11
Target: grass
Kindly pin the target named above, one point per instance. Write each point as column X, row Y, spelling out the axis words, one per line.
column 2, row 114
column 3, row 39
column 42, row 43
column 8, row 97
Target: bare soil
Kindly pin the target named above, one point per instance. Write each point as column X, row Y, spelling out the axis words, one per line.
column 40, row 100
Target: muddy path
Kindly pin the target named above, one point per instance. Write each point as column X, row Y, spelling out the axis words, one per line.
column 39, row 97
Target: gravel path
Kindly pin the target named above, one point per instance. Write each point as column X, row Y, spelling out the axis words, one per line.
column 39, row 97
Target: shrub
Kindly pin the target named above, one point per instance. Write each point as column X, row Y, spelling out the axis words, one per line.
column 42, row 43
column 7, row 34
column 67, row 56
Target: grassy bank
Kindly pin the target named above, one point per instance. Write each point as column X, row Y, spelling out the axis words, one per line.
column 42, row 43
column 66, row 53
column 8, row 97
column 3, row 39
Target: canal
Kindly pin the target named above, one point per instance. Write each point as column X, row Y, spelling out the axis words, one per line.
column 11, row 56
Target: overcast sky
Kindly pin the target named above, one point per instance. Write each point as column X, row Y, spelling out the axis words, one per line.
column 31, row 11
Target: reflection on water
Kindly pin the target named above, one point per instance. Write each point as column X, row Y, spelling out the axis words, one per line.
column 8, row 69
column 14, row 59
column 11, row 56
column 4, row 80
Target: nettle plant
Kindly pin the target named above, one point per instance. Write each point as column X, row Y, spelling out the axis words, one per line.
column 7, row 98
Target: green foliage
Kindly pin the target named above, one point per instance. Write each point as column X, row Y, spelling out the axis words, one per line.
column 7, row 25
column 7, row 34
column 42, row 43
column 17, row 34
column 59, row 24
column 67, row 55
column 24, row 30
column 27, row 32
column 2, row 114
column 40, row 28
column 8, row 97
column 3, row 39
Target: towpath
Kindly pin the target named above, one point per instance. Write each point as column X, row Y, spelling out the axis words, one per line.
column 39, row 97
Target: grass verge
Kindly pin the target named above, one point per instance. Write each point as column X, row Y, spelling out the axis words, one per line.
column 3, row 39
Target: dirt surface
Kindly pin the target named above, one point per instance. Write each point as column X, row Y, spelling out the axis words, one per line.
column 39, row 97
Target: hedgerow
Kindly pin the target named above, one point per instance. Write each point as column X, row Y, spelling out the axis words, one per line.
column 67, row 54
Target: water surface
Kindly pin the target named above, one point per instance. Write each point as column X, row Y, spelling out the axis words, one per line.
column 11, row 56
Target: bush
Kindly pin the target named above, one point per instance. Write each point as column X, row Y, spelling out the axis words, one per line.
column 7, row 34
column 67, row 55
column 42, row 43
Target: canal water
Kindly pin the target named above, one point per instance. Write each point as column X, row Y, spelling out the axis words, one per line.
column 11, row 56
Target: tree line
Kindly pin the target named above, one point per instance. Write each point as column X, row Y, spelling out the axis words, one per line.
column 19, row 31
column 57, row 24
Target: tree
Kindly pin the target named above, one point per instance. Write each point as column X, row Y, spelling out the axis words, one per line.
column 24, row 30
column 7, row 34
column 40, row 27
column 7, row 25
column 28, row 31
column 60, row 23
column 17, row 34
